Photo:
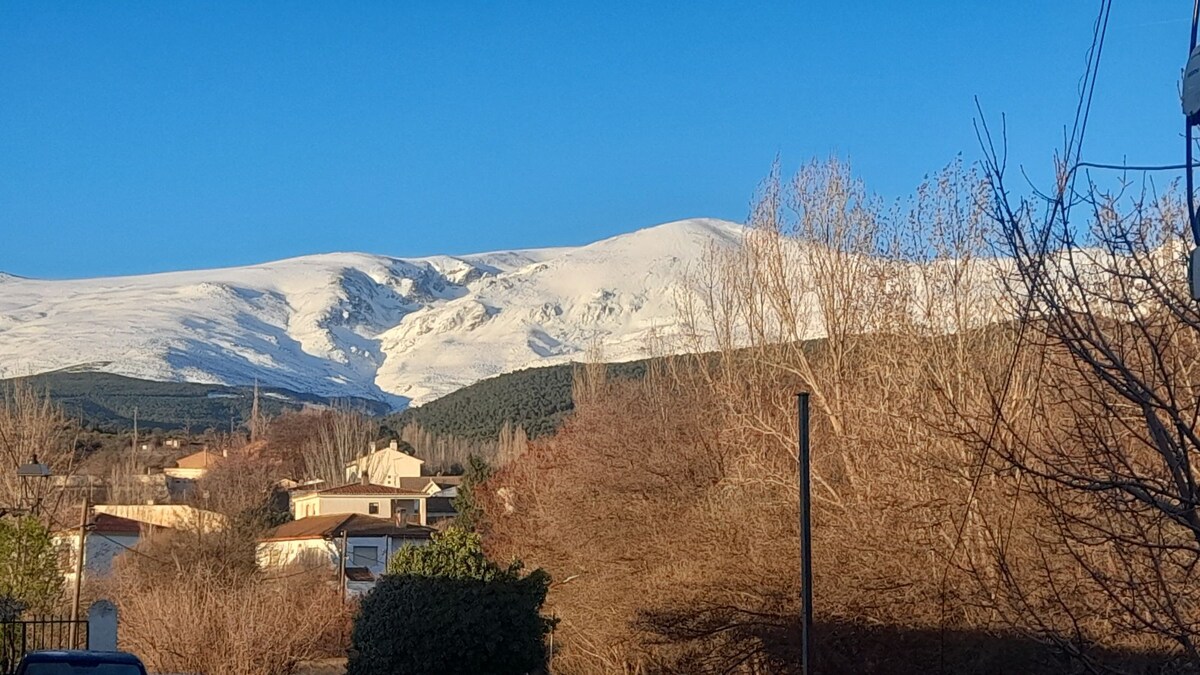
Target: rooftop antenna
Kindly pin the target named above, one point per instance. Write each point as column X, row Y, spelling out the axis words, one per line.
column 1191, row 112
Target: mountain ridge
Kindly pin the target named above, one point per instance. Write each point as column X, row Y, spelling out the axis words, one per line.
column 397, row 330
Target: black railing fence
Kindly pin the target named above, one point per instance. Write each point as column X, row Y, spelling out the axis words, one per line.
column 18, row 638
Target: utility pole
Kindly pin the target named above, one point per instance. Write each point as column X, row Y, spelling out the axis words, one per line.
column 803, row 460
column 342, row 557
column 83, row 519
column 1191, row 114
column 254, row 414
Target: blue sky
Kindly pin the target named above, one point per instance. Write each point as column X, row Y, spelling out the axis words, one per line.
column 139, row 137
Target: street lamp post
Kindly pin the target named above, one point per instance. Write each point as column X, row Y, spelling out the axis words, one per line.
column 29, row 472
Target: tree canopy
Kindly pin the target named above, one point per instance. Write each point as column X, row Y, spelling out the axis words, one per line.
column 447, row 608
column 29, row 574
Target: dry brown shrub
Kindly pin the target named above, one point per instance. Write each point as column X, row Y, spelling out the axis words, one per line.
column 245, row 625
column 317, row 444
column 240, row 483
column 197, row 602
column 192, row 602
column 666, row 508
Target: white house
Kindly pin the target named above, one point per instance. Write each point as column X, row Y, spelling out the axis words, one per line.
column 368, row 499
column 384, row 466
column 316, row 541
column 106, row 538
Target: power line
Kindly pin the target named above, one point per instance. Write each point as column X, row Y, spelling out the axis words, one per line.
column 1135, row 167
column 1060, row 207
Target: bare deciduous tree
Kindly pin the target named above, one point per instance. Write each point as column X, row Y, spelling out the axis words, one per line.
column 1107, row 439
column 31, row 425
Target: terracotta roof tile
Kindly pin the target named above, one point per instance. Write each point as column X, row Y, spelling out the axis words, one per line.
column 199, row 460
column 353, row 524
column 413, row 484
column 370, row 489
column 105, row 523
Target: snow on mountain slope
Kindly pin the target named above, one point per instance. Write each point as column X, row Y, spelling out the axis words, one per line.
column 397, row 330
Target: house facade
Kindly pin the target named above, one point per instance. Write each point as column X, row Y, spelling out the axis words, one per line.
column 380, row 501
column 384, row 466
column 316, row 541
column 106, row 538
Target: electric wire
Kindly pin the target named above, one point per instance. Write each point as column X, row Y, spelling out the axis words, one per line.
column 1136, row 167
column 1060, row 205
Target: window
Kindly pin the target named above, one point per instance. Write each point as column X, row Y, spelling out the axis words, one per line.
column 373, row 508
column 364, row 556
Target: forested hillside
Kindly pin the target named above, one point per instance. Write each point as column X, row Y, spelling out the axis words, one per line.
column 536, row 399
column 107, row 402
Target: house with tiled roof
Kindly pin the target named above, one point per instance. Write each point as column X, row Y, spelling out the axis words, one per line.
column 195, row 465
column 317, row 541
column 106, row 536
column 401, row 504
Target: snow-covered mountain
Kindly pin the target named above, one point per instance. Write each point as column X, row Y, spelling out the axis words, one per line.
column 342, row 324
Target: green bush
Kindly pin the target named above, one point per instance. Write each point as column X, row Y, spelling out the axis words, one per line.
column 446, row 608
column 469, row 513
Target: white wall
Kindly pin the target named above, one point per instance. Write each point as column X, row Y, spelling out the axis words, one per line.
column 324, row 551
column 293, row 551
column 97, row 557
column 188, row 474
column 324, row 505
column 383, row 467
column 175, row 516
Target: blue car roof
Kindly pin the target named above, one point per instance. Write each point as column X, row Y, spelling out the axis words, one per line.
column 81, row 657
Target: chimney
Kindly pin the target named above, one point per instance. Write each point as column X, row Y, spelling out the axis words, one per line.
column 365, row 481
column 394, row 445
column 371, row 447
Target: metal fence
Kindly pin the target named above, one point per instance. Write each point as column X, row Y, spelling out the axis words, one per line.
column 18, row 638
